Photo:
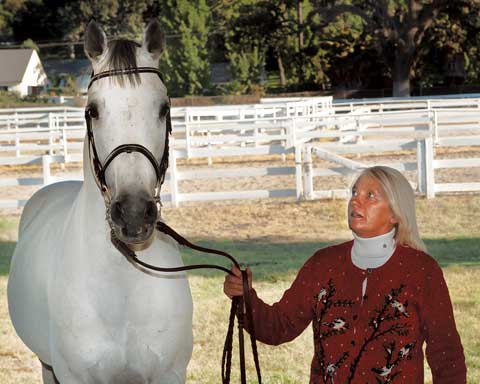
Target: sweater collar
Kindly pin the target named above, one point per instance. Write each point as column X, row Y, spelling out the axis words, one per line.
column 373, row 252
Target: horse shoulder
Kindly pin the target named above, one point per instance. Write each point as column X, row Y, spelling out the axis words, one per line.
column 41, row 223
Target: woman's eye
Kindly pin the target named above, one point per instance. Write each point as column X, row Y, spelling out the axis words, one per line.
column 354, row 192
column 371, row 195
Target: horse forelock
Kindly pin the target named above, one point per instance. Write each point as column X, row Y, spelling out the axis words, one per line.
column 122, row 55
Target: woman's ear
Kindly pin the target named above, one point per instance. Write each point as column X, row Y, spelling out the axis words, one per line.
column 393, row 219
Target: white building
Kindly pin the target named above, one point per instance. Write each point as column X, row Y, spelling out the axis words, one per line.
column 21, row 71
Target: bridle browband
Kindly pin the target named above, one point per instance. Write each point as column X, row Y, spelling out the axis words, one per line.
column 241, row 305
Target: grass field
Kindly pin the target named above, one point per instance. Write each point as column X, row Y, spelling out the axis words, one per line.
column 274, row 238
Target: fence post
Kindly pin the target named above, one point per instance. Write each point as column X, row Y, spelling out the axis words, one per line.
column 50, row 130
column 187, row 132
column 308, row 173
column 46, row 160
column 64, row 138
column 172, row 160
column 291, row 140
column 17, row 145
column 435, row 127
column 209, row 146
column 298, row 171
column 64, row 133
column 426, row 180
column 358, row 128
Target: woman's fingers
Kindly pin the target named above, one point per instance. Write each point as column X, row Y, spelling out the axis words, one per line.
column 236, row 271
column 233, row 285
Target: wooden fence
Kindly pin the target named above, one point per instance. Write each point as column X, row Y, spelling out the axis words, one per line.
column 310, row 130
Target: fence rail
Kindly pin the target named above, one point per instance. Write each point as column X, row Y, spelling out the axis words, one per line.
column 311, row 130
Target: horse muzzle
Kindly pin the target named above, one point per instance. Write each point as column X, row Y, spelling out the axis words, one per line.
column 133, row 219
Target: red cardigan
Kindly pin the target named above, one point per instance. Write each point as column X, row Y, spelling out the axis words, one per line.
column 374, row 339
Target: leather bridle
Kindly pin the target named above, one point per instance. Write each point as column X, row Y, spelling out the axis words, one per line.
column 241, row 305
column 99, row 169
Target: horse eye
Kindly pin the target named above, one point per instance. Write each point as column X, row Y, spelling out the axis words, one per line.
column 92, row 111
column 164, row 110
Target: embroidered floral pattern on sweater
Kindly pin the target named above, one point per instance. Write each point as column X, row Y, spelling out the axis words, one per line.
column 387, row 321
column 323, row 330
column 387, row 373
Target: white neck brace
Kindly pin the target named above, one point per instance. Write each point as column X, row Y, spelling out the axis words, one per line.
column 373, row 252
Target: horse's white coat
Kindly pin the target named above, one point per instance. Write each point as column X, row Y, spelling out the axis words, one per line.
column 74, row 300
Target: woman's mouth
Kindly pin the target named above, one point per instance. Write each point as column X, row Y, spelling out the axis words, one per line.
column 356, row 215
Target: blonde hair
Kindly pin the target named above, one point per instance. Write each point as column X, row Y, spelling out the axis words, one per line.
column 401, row 198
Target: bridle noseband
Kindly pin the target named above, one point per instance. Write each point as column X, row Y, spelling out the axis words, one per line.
column 99, row 169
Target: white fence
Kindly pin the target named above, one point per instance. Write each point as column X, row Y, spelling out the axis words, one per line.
column 310, row 129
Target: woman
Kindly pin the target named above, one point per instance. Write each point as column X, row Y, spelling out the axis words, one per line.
column 373, row 301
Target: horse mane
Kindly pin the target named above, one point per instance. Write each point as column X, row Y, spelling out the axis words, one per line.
column 122, row 55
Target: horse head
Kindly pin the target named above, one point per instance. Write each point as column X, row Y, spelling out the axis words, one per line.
column 128, row 124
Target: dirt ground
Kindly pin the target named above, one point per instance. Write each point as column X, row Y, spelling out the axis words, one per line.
column 274, row 182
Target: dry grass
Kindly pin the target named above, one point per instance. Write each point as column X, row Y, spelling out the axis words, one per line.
column 284, row 231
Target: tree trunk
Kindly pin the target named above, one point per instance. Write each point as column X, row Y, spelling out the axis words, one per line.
column 281, row 69
column 401, row 74
column 300, row 25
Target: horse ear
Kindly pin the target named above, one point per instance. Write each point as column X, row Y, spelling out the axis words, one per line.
column 154, row 39
column 95, row 40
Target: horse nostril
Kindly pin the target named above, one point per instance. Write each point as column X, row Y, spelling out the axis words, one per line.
column 116, row 211
column 151, row 212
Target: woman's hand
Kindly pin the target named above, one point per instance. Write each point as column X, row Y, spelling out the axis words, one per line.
column 233, row 285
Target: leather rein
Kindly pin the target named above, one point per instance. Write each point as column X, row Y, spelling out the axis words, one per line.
column 241, row 306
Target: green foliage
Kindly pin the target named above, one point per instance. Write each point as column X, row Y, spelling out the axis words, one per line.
column 341, row 44
column 120, row 19
column 8, row 10
column 187, row 69
column 450, row 48
column 29, row 43
column 246, row 48
column 11, row 100
column 310, row 44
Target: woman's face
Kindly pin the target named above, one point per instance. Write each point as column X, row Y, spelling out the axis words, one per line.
column 369, row 213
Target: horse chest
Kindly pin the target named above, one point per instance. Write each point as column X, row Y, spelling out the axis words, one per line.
column 123, row 324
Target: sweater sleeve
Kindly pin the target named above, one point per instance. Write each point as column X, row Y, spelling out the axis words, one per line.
column 285, row 320
column 444, row 349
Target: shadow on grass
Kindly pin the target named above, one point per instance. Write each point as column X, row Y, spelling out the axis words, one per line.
column 270, row 260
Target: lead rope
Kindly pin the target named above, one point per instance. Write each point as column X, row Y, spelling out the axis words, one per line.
column 240, row 307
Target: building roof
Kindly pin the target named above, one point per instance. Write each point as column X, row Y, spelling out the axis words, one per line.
column 13, row 64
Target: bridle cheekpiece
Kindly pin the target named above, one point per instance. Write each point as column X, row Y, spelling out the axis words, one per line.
column 99, row 169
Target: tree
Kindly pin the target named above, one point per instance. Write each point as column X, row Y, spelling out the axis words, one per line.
column 335, row 53
column 255, row 31
column 184, row 22
column 449, row 54
column 186, row 56
column 8, row 10
column 397, row 29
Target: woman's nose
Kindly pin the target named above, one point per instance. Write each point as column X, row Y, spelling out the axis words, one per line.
column 355, row 201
